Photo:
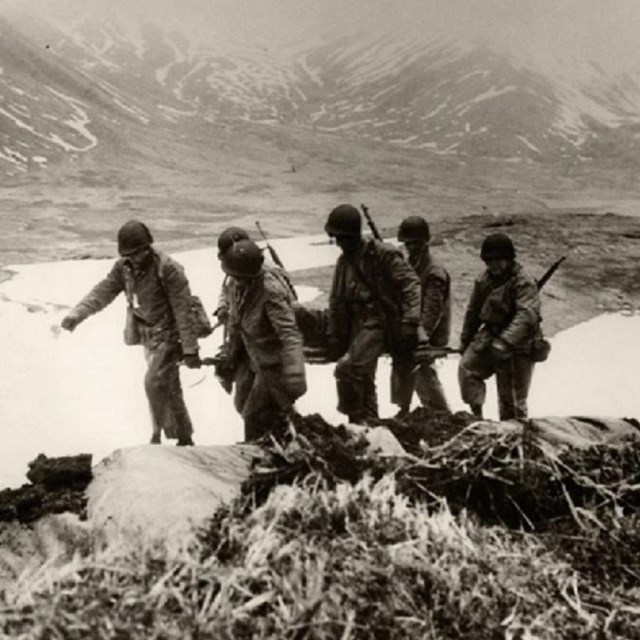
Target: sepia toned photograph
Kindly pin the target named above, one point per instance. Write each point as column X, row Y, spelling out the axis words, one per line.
column 319, row 319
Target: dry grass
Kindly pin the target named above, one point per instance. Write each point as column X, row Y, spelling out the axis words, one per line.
column 378, row 555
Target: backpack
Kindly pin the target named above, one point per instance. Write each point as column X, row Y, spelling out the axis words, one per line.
column 201, row 320
column 132, row 336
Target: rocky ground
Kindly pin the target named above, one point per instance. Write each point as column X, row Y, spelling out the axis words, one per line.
column 479, row 532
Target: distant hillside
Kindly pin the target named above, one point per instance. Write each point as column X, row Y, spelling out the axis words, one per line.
column 68, row 86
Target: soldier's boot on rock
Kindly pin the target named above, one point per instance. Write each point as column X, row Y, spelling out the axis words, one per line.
column 476, row 410
column 185, row 442
column 155, row 438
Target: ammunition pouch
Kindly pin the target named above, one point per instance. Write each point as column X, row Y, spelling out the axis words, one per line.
column 200, row 318
column 131, row 331
column 540, row 349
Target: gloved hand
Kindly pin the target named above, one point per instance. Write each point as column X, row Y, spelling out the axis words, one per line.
column 500, row 350
column 70, row 322
column 334, row 349
column 422, row 353
column 294, row 381
column 222, row 315
column 192, row 360
column 407, row 340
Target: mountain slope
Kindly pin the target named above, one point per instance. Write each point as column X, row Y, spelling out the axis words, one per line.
column 68, row 86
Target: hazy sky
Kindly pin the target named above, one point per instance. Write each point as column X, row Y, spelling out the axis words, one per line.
column 606, row 30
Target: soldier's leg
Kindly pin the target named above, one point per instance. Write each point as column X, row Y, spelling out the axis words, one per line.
column 243, row 383
column 261, row 412
column 513, row 379
column 355, row 375
column 403, row 383
column 474, row 368
column 430, row 389
column 156, row 388
column 184, row 426
column 164, row 392
column 370, row 396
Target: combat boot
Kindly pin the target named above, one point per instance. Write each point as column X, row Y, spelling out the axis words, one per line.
column 476, row 410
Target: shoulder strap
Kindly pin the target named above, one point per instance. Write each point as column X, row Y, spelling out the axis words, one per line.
column 383, row 307
column 161, row 260
column 128, row 284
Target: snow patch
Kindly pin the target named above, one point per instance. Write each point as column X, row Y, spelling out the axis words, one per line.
column 64, row 393
column 78, row 121
column 528, row 144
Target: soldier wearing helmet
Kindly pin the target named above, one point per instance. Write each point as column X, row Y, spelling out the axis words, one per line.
column 374, row 306
column 435, row 321
column 501, row 322
column 263, row 354
column 159, row 299
column 226, row 240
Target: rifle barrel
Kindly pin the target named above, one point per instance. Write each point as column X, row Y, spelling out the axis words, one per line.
column 549, row 272
column 370, row 222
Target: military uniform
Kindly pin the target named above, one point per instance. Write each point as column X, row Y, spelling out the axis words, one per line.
column 508, row 310
column 374, row 293
column 264, row 350
column 435, row 319
column 167, row 331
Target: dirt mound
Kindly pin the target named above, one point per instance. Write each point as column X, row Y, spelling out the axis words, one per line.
column 57, row 485
column 537, row 476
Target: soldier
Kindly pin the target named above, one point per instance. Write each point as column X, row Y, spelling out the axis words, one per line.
column 435, row 321
column 225, row 241
column 374, row 306
column 500, row 325
column 263, row 354
column 160, row 304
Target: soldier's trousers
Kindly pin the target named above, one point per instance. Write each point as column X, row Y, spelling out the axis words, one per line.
column 405, row 379
column 355, row 376
column 164, row 391
column 259, row 400
column 513, row 380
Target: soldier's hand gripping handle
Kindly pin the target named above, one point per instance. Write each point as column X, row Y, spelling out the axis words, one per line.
column 192, row 360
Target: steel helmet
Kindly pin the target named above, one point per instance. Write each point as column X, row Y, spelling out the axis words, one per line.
column 344, row 220
column 243, row 259
column 132, row 236
column 228, row 237
column 414, row 228
column 497, row 246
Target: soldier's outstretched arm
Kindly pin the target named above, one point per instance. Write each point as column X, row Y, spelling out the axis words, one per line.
column 103, row 294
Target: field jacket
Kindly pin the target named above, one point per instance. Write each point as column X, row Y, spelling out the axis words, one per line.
column 508, row 309
column 161, row 302
column 262, row 324
column 435, row 314
column 376, row 282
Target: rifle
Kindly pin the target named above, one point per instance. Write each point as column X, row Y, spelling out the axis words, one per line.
column 276, row 258
column 427, row 353
column 370, row 222
column 272, row 252
column 549, row 272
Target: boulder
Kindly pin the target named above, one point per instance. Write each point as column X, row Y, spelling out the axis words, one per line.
column 151, row 494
